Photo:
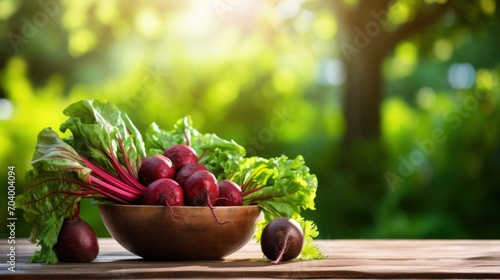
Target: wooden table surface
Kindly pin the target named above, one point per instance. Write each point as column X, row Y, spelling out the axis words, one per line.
column 457, row 259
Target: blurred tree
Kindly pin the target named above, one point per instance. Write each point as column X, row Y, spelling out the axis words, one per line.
column 370, row 30
column 238, row 66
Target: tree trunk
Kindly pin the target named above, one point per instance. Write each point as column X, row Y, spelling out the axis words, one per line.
column 364, row 43
column 363, row 97
column 363, row 46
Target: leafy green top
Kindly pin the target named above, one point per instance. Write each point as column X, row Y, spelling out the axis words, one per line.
column 99, row 161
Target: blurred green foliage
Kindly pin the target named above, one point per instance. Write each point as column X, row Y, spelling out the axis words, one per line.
column 253, row 73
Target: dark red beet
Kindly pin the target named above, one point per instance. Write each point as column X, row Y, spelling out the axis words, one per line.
column 76, row 242
column 282, row 240
column 185, row 172
column 229, row 194
column 164, row 192
column 201, row 189
column 181, row 155
column 154, row 168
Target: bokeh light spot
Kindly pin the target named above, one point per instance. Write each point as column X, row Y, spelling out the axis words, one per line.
column 443, row 49
column 6, row 109
column 426, row 98
column 288, row 8
column 461, row 75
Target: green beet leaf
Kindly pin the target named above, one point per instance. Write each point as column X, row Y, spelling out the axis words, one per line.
column 99, row 160
column 100, row 131
column 55, row 186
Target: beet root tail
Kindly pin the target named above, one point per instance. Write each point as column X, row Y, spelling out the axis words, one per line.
column 209, row 204
column 283, row 249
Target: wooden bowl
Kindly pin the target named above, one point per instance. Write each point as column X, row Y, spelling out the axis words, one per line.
column 153, row 233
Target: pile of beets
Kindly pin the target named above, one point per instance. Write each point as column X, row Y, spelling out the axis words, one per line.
column 175, row 178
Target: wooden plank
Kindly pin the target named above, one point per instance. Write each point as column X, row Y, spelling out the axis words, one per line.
column 346, row 259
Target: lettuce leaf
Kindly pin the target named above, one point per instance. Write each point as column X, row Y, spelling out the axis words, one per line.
column 281, row 187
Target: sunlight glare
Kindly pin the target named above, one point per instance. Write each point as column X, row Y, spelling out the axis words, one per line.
column 148, row 23
column 304, row 21
column 197, row 20
column 288, row 8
